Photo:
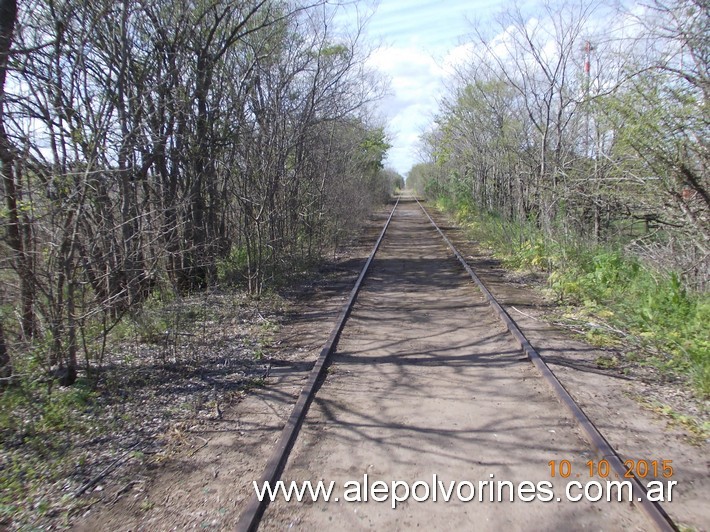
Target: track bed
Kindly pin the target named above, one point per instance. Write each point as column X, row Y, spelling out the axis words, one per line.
column 427, row 381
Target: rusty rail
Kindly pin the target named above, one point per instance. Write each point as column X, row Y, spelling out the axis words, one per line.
column 652, row 509
column 249, row 519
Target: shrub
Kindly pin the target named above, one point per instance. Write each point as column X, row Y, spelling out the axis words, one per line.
column 652, row 306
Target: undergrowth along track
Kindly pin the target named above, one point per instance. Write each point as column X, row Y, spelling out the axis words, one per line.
column 651, row 509
column 250, row 518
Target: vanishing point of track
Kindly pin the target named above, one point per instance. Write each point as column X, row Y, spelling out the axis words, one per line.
column 252, row 515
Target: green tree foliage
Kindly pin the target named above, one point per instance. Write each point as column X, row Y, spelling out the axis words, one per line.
column 164, row 145
column 393, row 180
column 420, row 176
column 582, row 142
column 583, row 149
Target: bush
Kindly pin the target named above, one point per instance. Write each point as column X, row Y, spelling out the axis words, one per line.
column 234, row 268
column 653, row 307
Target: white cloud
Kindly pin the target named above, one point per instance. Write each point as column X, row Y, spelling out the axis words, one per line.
column 424, row 46
column 458, row 57
column 415, row 85
column 431, row 41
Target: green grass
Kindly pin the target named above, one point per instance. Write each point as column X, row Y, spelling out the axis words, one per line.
column 665, row 322
column 699, row 431
column 36, row 429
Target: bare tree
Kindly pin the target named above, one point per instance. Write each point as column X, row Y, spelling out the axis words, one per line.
column 145, row 144
column 587, row 128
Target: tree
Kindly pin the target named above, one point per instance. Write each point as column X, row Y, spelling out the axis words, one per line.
column 662, row 120
column 149, row 146
column 8, row 17
column 586, row 129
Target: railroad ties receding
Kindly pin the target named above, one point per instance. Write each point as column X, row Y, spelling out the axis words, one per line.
column 249, row 519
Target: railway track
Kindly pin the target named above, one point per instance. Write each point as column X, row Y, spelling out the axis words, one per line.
column 410, row 264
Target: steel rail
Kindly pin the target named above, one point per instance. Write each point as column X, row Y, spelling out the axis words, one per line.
column 653, row 511
column 250, row 518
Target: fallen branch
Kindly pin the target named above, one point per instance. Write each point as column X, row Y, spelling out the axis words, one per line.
column 194, row 452
column 113, row 465
column 524, row 314
column 123, row 490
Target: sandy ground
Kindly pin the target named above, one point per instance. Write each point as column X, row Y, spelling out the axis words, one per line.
column 208, row 484
column 425, row 381
column 612, row 398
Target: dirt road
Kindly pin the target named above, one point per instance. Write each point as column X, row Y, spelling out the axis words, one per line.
column 427, row 382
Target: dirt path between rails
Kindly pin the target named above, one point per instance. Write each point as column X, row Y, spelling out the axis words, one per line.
column 427, row 382
column 611, row 397
column 406, row 397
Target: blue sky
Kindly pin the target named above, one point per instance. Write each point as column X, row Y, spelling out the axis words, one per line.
column 419, row 39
